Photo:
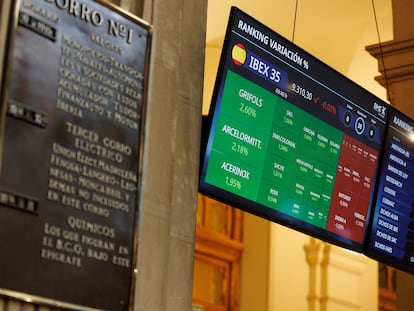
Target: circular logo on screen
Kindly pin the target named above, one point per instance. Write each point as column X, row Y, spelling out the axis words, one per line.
column 359, row 126
column 238, row 54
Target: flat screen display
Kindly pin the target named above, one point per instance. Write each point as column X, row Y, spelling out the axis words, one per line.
column 392, row 233
column 290, row 139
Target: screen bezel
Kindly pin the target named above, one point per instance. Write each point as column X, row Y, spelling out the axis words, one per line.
column 370, row 251
column 248, row 205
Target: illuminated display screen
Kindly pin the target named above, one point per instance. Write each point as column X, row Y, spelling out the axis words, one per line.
column 290, row 139
column 392, row 233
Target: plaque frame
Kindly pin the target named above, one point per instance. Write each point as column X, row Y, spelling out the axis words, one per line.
column 6, row 71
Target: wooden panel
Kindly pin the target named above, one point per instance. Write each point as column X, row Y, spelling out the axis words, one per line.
column 387, row 296
column 211, row 286
column 218, row 250
column 216, row 245
column 200, row 210
column 387, row 300
column 218, row 217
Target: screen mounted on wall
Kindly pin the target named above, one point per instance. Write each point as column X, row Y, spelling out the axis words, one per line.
column 392, row 233
column 289, row 138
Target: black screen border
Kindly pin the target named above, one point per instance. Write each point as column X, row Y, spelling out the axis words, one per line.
column 369, row 251
column 253, row 207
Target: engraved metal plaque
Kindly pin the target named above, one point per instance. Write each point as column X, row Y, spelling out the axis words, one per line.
column 72, row 116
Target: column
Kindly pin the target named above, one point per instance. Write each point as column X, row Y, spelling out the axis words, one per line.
column 395, row 63
column 170, row 176
column 339, row 279
column 4, row 22
column 396, row 57
column 312, row 251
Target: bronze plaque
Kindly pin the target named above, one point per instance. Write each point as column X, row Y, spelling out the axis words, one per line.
column 72, row 114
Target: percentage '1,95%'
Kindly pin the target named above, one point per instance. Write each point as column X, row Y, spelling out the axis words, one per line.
column 233, row 182
column 302, row 91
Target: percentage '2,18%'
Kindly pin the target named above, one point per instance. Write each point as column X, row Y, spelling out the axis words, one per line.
column 243, row 150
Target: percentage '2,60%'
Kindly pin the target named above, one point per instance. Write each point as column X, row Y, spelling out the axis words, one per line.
column 247, row 110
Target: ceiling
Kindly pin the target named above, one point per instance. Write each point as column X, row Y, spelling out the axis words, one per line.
column 335, row 31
